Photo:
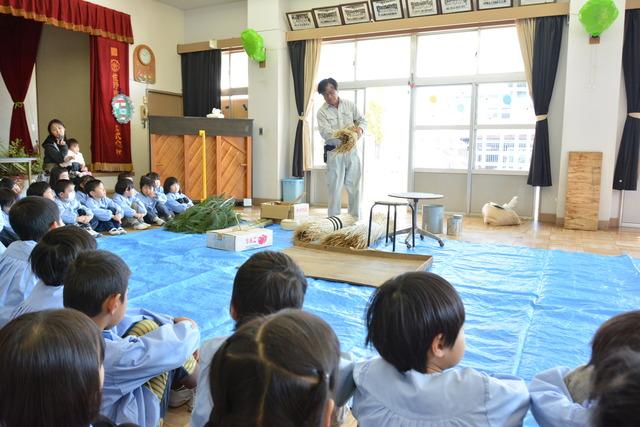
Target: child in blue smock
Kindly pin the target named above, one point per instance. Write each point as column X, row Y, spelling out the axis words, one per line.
column 177, row 202
column 7, row 199
column 161, row 207
column 267, row 282
column 415, row 321
column 561, row 396
column 49, row 260
column 139, row 367
column 31, row 218
column 72, row 212
column 108, row 214
column 147, row 198
column 133, row 211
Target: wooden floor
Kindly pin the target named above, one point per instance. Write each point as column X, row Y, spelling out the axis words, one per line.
column 545, row 236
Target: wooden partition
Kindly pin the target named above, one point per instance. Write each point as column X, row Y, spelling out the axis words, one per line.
column 221, row 160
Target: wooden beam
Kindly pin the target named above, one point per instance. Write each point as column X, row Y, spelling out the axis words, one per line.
column 411, row 25
column 224, row 44
column 632, row 4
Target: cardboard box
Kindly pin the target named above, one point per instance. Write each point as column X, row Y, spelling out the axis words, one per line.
column 283, row 210
column 240, row 240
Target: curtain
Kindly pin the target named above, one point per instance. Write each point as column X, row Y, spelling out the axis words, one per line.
column 296, row 56
column 201, row 74
column 526, row 33
column 74, row 15
column 109, row 76
column 19, row 40
column 311, row 62
column 546, row 53
column 625, row 176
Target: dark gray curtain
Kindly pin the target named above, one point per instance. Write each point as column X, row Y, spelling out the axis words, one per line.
column 201, row 82
column 625, row 176
column 296, row 56
column 546, row 52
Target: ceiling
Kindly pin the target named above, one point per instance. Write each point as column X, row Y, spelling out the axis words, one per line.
column 194, row 4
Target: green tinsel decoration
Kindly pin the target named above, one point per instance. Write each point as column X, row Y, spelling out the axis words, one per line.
column 213, row 213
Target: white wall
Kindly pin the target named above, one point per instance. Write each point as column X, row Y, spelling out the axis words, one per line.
column 592, row 102
column 161, row 27
column 215, row 22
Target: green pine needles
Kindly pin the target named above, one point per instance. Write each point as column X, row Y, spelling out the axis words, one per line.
column 213, row 213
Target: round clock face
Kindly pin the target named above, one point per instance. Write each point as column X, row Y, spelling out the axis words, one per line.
column 144, row 55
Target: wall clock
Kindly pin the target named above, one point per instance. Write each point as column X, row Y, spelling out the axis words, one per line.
column 144, row 64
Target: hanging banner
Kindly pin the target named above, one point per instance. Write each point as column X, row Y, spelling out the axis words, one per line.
column 110, row 140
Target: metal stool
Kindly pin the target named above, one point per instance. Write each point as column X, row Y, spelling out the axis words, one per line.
column 395, row 205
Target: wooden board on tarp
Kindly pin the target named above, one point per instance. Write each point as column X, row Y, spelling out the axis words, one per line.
column 359, row 267
column 583, row 190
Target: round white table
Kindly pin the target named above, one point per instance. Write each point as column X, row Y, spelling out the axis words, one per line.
column 414, row 198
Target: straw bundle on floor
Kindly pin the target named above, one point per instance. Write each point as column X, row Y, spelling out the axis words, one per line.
column 349, row 138
column 317, row 229
column 356, row 235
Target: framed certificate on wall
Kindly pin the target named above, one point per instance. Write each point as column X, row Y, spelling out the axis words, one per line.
column 355, row 13
column 327, row 16
column 301, row 20
column 494, row 4
column 454, row 6
column 421, row 8
column 384, row 10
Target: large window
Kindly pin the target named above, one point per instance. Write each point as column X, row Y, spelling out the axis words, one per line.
column 234, row 82
column 470, row 107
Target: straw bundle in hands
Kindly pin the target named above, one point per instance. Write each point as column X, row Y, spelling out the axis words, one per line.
column 348, row 137
column 316, row 229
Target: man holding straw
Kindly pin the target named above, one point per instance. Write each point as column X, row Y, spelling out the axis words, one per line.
column 341, row 125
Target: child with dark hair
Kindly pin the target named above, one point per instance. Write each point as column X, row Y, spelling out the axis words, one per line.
column 415, row 321
column 132, row 210
column 177, row 202
column 56, row 174
column 564, row 397
column 80, row 183
column 266, row 283
column 280, row 370
column 10, row 184
column 41, row 189
column 161, row 208
column 72, row 212
column 147, row 197
column 108, row 214
column 126, row 175
column 141, row 365
column 51, row 371
column 7, row 199
column 30, row 218
column 78, row 165
column 616, row 388
column 50, row 260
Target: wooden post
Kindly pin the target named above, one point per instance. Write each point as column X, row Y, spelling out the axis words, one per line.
column 202, row 134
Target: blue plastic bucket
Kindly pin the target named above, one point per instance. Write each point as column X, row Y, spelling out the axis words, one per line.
column 292, row 188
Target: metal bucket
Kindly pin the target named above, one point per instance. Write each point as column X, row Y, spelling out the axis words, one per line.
column 433, row 218
column 454, row 225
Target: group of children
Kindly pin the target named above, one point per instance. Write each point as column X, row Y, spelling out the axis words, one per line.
column 75, row 354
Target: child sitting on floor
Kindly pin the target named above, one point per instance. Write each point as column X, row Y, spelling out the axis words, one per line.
column 30, row 218
column 279, row 370
column 161, row 207
column 267, row 282
column 78, row 165
column 147, row 197
column 616, row 388
column 126, row 175
column 108, row 214
column 564, row 397
column 415, row 321
column 51, row 371
column 72, row 212
column 10, row 184
column 50, row 260
column 177, row 202
column 41, row 189
column 132, row 210
column 56, row 174
column 7, row 199
column 141, row 366
column 80, row 183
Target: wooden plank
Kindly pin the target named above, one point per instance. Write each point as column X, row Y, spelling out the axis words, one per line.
column 423, row 23
column 583, row 190
column 167, row 156
column 191, row 125
column 249, row 167
column 359, row 267
column 222, row 44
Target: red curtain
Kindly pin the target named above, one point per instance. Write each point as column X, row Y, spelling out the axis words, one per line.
column 19, row 39
column 75, row 15
column 110, row 140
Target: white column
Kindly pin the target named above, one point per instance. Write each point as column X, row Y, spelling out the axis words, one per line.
column 592, row 100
